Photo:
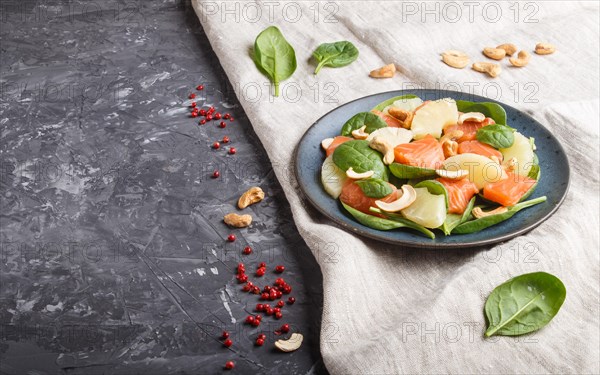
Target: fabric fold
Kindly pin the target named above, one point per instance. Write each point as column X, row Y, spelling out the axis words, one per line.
column 394, row 310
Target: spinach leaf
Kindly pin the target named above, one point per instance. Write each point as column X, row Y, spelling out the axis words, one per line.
column 536, row 176
column 375, row 188
column 532, row 143
column 454, row 220
column 489, row 109
column 372, row 221
column 534, row 172
column 524, row 304
column 371, row 120
column 407, row 171
column 274, row 56
column 357, row 154
column 497, row 136
column 404, row 221
column 480, row 224
column 335, row 55
column 381, row 106
column 435, row 187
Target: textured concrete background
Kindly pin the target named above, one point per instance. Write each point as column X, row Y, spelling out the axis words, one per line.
column 114, row 254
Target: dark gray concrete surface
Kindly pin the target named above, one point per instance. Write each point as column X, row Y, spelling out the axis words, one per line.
column 114, row 257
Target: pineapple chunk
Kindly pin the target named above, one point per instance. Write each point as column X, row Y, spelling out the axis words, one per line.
column 522, row 151
column 332, row 177
column 481, row 169
column 428, row 209
column 433, row 117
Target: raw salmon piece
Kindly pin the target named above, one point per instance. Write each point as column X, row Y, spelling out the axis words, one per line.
column 424, row 153
column 469, row 129
column 353, row 196
column 509, row 191
column 391, row 121
column 336, row 142
column 476, row 147
column 460, row 193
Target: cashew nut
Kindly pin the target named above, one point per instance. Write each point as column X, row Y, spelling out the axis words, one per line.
column 479, row 213
column 358, row 176
column 381, row 145
column 251, row 196
column 509, row 48
column 455, row 59
column 386, row 71
column 451, row 136
column 450, row 148
column 521, row 60
column 360, row 133
column 405, row 117
column 291, row 344
column 326, row 143
column 409, row 195
column 494, row 53
column 544, row 48
column 471, row 116
column 238, row 221
column 492, row 69
column 449, row 144
column 452, row 175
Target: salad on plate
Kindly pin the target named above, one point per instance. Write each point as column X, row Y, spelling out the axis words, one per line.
column 446, row 166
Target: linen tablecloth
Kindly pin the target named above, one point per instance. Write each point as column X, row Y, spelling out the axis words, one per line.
column 394, row 310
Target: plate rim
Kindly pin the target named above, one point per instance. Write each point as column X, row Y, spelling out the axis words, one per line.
column 422, row 244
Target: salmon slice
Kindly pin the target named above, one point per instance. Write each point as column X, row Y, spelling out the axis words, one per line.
column 391, row 121
column 460, row 193
column 509, row 191
column 424, row 153
column 476, row 147
column 336, row 142
column 469, row 129
column 353, row 196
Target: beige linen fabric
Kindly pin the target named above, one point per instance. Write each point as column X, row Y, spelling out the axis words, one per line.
column 394, row 310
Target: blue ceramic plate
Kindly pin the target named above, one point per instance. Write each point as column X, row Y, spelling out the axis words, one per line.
column 553, row 161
